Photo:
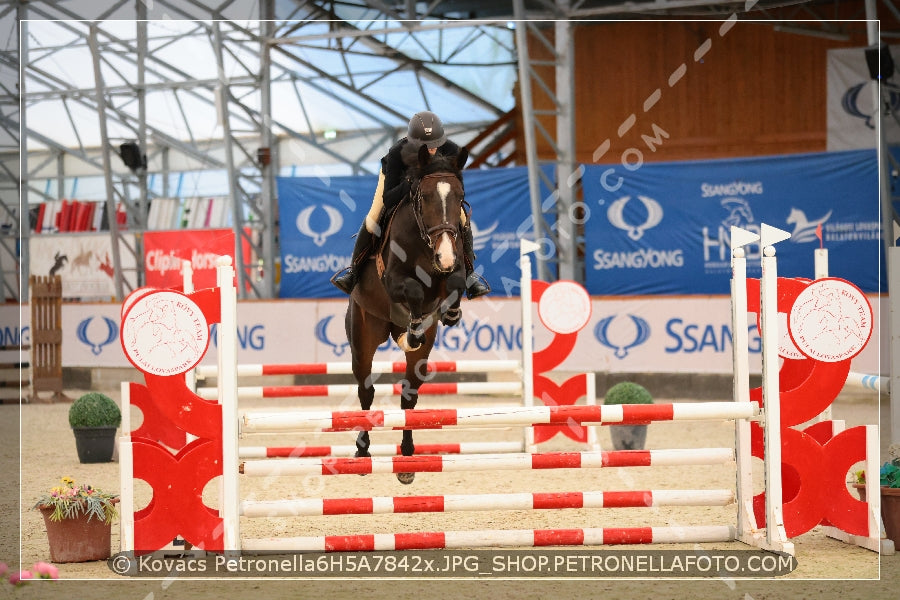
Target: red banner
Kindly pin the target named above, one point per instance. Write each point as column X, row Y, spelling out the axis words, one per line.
column 165, row 250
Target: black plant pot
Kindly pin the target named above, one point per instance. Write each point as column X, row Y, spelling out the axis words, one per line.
column 95, row 444
column 628, row 437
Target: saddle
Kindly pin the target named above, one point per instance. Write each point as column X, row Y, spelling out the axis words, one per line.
column 385, row 223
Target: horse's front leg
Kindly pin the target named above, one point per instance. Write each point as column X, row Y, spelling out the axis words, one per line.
column 408, row 401
column 451, row 313
column 416, row 371
column 413, row 296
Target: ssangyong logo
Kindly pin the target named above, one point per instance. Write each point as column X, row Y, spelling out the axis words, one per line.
column 335, row 222
column 853, row 106
column 97, row 336
column 617, row 337
column 641, row 258
column 616, row 215
column 322, row 335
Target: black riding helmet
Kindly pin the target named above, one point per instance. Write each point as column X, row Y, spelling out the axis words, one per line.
column 426, row 128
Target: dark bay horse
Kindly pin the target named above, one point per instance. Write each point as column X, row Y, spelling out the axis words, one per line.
column 416, row 279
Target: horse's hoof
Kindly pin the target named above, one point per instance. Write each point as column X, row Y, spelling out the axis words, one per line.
column 403, row 342
column 359, row 454
column 406, row 478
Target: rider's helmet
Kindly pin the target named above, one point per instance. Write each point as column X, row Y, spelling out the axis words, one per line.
column 426, row 128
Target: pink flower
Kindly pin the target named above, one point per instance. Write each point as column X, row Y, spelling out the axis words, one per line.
column 46, row 570
column 4, row 569
column 20, row 577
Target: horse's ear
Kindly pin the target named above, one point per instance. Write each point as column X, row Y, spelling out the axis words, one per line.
column 461, row 158
column 424, row 156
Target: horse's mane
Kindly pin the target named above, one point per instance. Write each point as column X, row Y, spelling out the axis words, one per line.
column 437, row 164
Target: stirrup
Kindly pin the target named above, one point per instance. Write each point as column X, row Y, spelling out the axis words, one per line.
column 476, row 286
column 344, row 280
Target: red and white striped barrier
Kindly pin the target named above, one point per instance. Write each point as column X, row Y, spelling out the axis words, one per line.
column 378, row 449
column 491, row 417
column 378, row 367
column 308, row 507
column 502, row 388
column 607, row 536
column 485, row 462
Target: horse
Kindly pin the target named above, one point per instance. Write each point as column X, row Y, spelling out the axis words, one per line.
column 415, row 279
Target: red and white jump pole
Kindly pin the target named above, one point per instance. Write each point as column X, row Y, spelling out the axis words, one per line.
column 308, row 507
column 336, row 390
column 485, row 462
column 622, row 414
column 503, row 538
column 378, row 367
column 377, row 449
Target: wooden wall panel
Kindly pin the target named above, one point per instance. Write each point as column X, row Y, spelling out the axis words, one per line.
column 754, row 92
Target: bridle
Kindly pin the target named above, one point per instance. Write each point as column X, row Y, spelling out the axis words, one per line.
column 429, row 233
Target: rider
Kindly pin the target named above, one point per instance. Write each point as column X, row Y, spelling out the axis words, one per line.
column 424, row 128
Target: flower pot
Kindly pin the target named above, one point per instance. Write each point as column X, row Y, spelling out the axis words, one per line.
column 890, row 509
column 890, row 513
column 76, row 540
column 628, row 437
column 95, row 444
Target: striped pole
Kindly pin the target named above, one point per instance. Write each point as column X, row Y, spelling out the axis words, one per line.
column 482, row 502
column 504, row 388
column 629, row 414
column 875, row 383
column 496, row 538
column 378, row 449
column 485, row 462
column 379, row 367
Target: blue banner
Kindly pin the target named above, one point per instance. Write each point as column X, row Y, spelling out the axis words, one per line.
column 663, row 228
column 319, row 216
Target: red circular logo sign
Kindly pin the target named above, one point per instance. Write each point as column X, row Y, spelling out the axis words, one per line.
column 565, row 307
column 831, row 320
column 164, row 333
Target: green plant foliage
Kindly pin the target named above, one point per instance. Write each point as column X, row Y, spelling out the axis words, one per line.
column 627, row 392
column 94, row 410
column 890, row 474
column 70, row 501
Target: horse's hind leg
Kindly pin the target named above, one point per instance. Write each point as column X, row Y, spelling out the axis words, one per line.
column 416, row 365
column 364, row 339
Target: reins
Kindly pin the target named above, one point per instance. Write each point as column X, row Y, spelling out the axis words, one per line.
column 415, row 200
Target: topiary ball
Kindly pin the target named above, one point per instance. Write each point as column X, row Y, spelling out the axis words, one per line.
column 94, row 410
column 627, row 392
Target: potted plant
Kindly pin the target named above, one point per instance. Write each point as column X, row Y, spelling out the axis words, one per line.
column 628, row 437
column 94, row 419
column 78, row 520
column 889, row 481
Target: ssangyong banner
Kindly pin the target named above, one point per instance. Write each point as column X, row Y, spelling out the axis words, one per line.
column 638, row 335
column 164, row 252
column 320, row 215
column 663, row 228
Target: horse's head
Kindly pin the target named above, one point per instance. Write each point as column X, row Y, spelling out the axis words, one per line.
column 438, row 198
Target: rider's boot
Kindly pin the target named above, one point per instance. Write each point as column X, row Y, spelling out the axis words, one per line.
column 476, row 286
column 345, row 279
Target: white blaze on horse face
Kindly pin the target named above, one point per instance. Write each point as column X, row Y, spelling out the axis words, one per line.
column 443, row 190
column 445, row 252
